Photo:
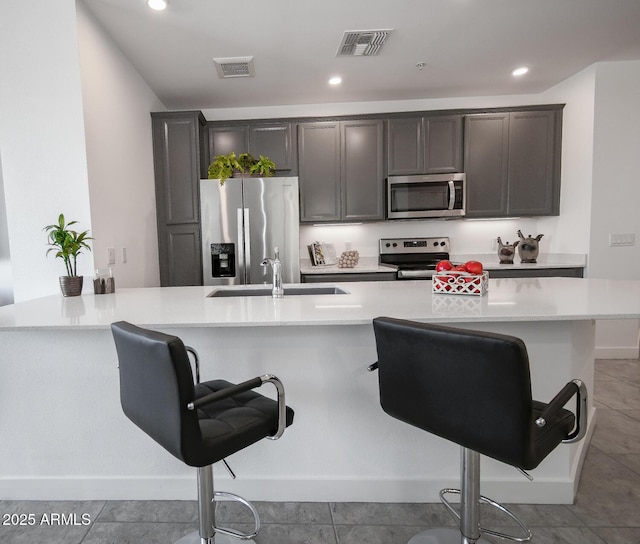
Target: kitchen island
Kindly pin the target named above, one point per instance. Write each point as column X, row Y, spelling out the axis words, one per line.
column 65, row 437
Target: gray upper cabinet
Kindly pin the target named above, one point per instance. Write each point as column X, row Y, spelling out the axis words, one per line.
column 443, row 144
column 341, row 170
column 319, row 171
column 405, row 151
column 424, row 145
column 512, row 162
column 534, row 162
column 362, row 170
column 273, row 140
column 485, row 164
column 225, row 140
column 178, row 149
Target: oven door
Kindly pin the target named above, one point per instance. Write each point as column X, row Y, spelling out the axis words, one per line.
column 413, row 197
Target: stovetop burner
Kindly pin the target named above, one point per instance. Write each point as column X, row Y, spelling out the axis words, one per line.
column 415, row 258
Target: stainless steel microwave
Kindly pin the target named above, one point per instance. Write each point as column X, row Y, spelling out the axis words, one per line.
column 428, row 196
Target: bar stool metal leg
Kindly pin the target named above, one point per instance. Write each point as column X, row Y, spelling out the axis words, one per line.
column 206, row 506
column 208, row 533
column 469, row 496
column 468, row 531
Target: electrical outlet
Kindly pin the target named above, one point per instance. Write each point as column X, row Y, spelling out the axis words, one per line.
column 124, row 254
column 111, row 255
column 623, row 239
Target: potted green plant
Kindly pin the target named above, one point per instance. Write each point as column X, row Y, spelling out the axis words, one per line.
column 263, row 167
column 68, row 244
column 246, row 161
column 225, row 166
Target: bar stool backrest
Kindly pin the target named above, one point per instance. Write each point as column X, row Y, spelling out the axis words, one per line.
column 156, row 384
column 472, row 388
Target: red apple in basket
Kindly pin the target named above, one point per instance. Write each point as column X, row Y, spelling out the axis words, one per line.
column 474, row 267
column 443, row 266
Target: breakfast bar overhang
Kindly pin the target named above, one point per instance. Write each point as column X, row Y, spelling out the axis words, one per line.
column 64, row 435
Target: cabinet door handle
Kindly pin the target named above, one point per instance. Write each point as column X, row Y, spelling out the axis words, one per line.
column 241, row 249
column 452, row 194
column 247, row 244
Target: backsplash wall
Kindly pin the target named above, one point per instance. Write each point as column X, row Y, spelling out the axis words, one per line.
column 466, row 236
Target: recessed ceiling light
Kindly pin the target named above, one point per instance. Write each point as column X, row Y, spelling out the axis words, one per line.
column 336, row 80
column 520, row 71
column 158, row 5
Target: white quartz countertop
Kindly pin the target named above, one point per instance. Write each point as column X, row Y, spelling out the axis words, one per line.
column 522, row 299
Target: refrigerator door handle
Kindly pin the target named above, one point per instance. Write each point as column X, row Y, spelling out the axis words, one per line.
column 247, row 245
column 241, row 250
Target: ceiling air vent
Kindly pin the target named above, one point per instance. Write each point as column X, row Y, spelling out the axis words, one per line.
column 235, row 67
column 362, row 43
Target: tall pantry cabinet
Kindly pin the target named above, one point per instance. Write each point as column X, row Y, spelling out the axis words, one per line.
column 180, row 160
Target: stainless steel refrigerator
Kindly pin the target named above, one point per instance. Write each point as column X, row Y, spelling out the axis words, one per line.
column 242, row 221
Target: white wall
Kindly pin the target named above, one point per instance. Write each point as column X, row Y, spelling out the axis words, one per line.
column 41, row 137
column 6, row 277
column 616, row 170
column 571, row 228
column 616, row 191
column 117, row 103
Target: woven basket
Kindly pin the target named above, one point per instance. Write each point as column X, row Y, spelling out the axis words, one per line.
column 460, row 283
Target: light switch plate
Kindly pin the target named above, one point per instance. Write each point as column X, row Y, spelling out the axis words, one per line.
column 622, row 239
column 111, row 255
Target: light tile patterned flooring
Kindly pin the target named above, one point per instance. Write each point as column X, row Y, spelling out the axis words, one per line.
column 606, row 511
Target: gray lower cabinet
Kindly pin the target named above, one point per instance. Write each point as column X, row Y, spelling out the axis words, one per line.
column 178, row 150
column 273, row 140
column 341, row 171
column 348, row 277
column 512, row 163
column 424, row 145
column 576, row 272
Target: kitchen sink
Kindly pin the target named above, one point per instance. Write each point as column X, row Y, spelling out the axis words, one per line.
column 248, row 291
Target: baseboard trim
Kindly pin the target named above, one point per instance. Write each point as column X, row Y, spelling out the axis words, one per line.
column 616, row 352
column 509, row 490
column 61, row 489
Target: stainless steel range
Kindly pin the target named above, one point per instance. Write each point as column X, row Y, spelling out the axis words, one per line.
column 415, row 258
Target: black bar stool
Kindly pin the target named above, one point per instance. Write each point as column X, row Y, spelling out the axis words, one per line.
column 199, row 423
column 474, row 389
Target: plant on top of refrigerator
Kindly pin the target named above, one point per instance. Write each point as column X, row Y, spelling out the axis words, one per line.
column 263, row 167
column 224, row 166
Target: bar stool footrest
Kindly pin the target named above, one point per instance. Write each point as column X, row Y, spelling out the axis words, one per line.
column 526, row 532
column 237, row 535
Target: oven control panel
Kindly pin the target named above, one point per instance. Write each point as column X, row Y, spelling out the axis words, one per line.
column 390, row 246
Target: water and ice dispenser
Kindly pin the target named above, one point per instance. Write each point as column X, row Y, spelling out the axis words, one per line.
column 223, row 260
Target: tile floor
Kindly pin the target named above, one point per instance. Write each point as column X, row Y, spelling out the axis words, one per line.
column 607, row 508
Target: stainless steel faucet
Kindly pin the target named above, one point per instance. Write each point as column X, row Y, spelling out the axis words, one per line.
column 276, row 266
